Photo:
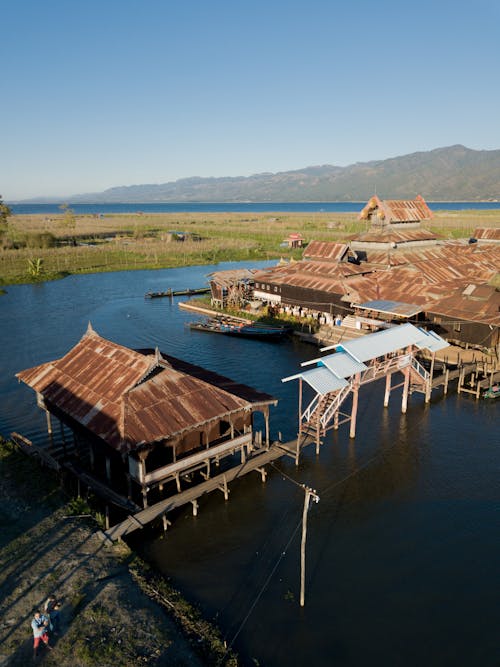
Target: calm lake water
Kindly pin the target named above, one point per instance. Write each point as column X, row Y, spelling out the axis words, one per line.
column 236, row 207
column 403, row 547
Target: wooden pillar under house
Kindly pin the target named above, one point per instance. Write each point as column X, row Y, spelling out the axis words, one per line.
column 388, row 379
column 446, row 377
column 406, row 384
column 299, row 435
column 266, row 420
column 49, row 422
column 431, row 378
column 354, row 411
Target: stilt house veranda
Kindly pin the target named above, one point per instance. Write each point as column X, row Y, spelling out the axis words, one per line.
column 141, row 420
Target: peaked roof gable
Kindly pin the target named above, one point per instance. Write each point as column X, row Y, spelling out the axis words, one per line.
column 128, row 398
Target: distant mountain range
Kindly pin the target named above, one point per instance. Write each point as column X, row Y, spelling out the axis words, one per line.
column 454, row 173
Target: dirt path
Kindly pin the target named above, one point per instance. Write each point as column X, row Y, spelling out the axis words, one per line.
column 106, row 617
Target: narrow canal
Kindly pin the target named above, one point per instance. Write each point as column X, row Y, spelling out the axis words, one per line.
column 403, row 547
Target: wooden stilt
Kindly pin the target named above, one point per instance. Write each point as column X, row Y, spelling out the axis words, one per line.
column 299, row 436
column 263, row 473
column 404, row 400
column 446, row 377
column 354, row 411
column 106, row 516
column 49, row 423
column 195, row 507
column 387, row 394
column 431, row 377
column 166, row 523
column 224, row 488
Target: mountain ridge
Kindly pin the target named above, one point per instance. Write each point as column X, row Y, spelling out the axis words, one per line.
column 452, row 173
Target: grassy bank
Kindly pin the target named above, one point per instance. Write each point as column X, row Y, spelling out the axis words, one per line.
column 37, row 247
column 116, row 610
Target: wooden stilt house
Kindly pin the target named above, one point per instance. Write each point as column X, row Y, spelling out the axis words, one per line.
column 141, row 420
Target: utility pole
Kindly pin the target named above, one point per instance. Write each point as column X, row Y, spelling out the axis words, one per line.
column 308, row 494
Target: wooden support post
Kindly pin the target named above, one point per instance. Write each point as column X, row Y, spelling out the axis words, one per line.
column 166, row 523
column 266, row 421
column 336, row 420
column 178, row 482
column 243, row 455
column 430, row 380
column 223, row 487
column 308, row 493
column 144, row 496
column 299, row 435
column 263, row 473
column 106, row 516
column 195, row 507
column 406, row 384
column 49, row 423
column 354, row 411
column 446, row 376
column 387, row 389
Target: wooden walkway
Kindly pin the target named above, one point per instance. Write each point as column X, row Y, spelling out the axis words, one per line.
column 219, row 482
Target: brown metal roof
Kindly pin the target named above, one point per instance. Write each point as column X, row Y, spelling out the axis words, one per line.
column 487, row 233
column 396, row 236
column 477, row 303
column 394, row 211
column 128, row 398
column 325, row 250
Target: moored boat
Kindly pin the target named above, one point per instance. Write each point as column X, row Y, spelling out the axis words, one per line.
column 231, row 327
column 181, row 292
column 492, row 392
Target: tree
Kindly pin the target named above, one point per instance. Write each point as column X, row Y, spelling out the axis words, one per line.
column 5, row 213
column 69, row 219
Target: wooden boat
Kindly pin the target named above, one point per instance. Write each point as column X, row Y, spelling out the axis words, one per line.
column 231, row 327
column 182, row 292
column 492, row 392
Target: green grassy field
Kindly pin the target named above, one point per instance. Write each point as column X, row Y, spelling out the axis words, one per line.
column 36, row 248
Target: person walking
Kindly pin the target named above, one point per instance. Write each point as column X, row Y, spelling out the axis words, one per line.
column 40, row 627
column 51, row 611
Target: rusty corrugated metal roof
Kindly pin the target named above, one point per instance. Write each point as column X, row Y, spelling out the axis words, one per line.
column 325, row 250
column 128, row 398
column 394, row 210
column 396, row 236
column 487, row 233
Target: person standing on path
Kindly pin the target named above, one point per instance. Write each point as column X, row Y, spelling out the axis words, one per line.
column 40, row 627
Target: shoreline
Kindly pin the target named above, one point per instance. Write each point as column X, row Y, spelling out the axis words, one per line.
column 116, row 610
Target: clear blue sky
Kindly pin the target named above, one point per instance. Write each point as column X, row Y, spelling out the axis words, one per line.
column 119, row 92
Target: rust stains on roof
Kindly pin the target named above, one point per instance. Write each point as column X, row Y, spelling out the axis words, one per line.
column 128, row 398
column 393, row 211
column 487, row 234
column 328, row 250
column 395, row 236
